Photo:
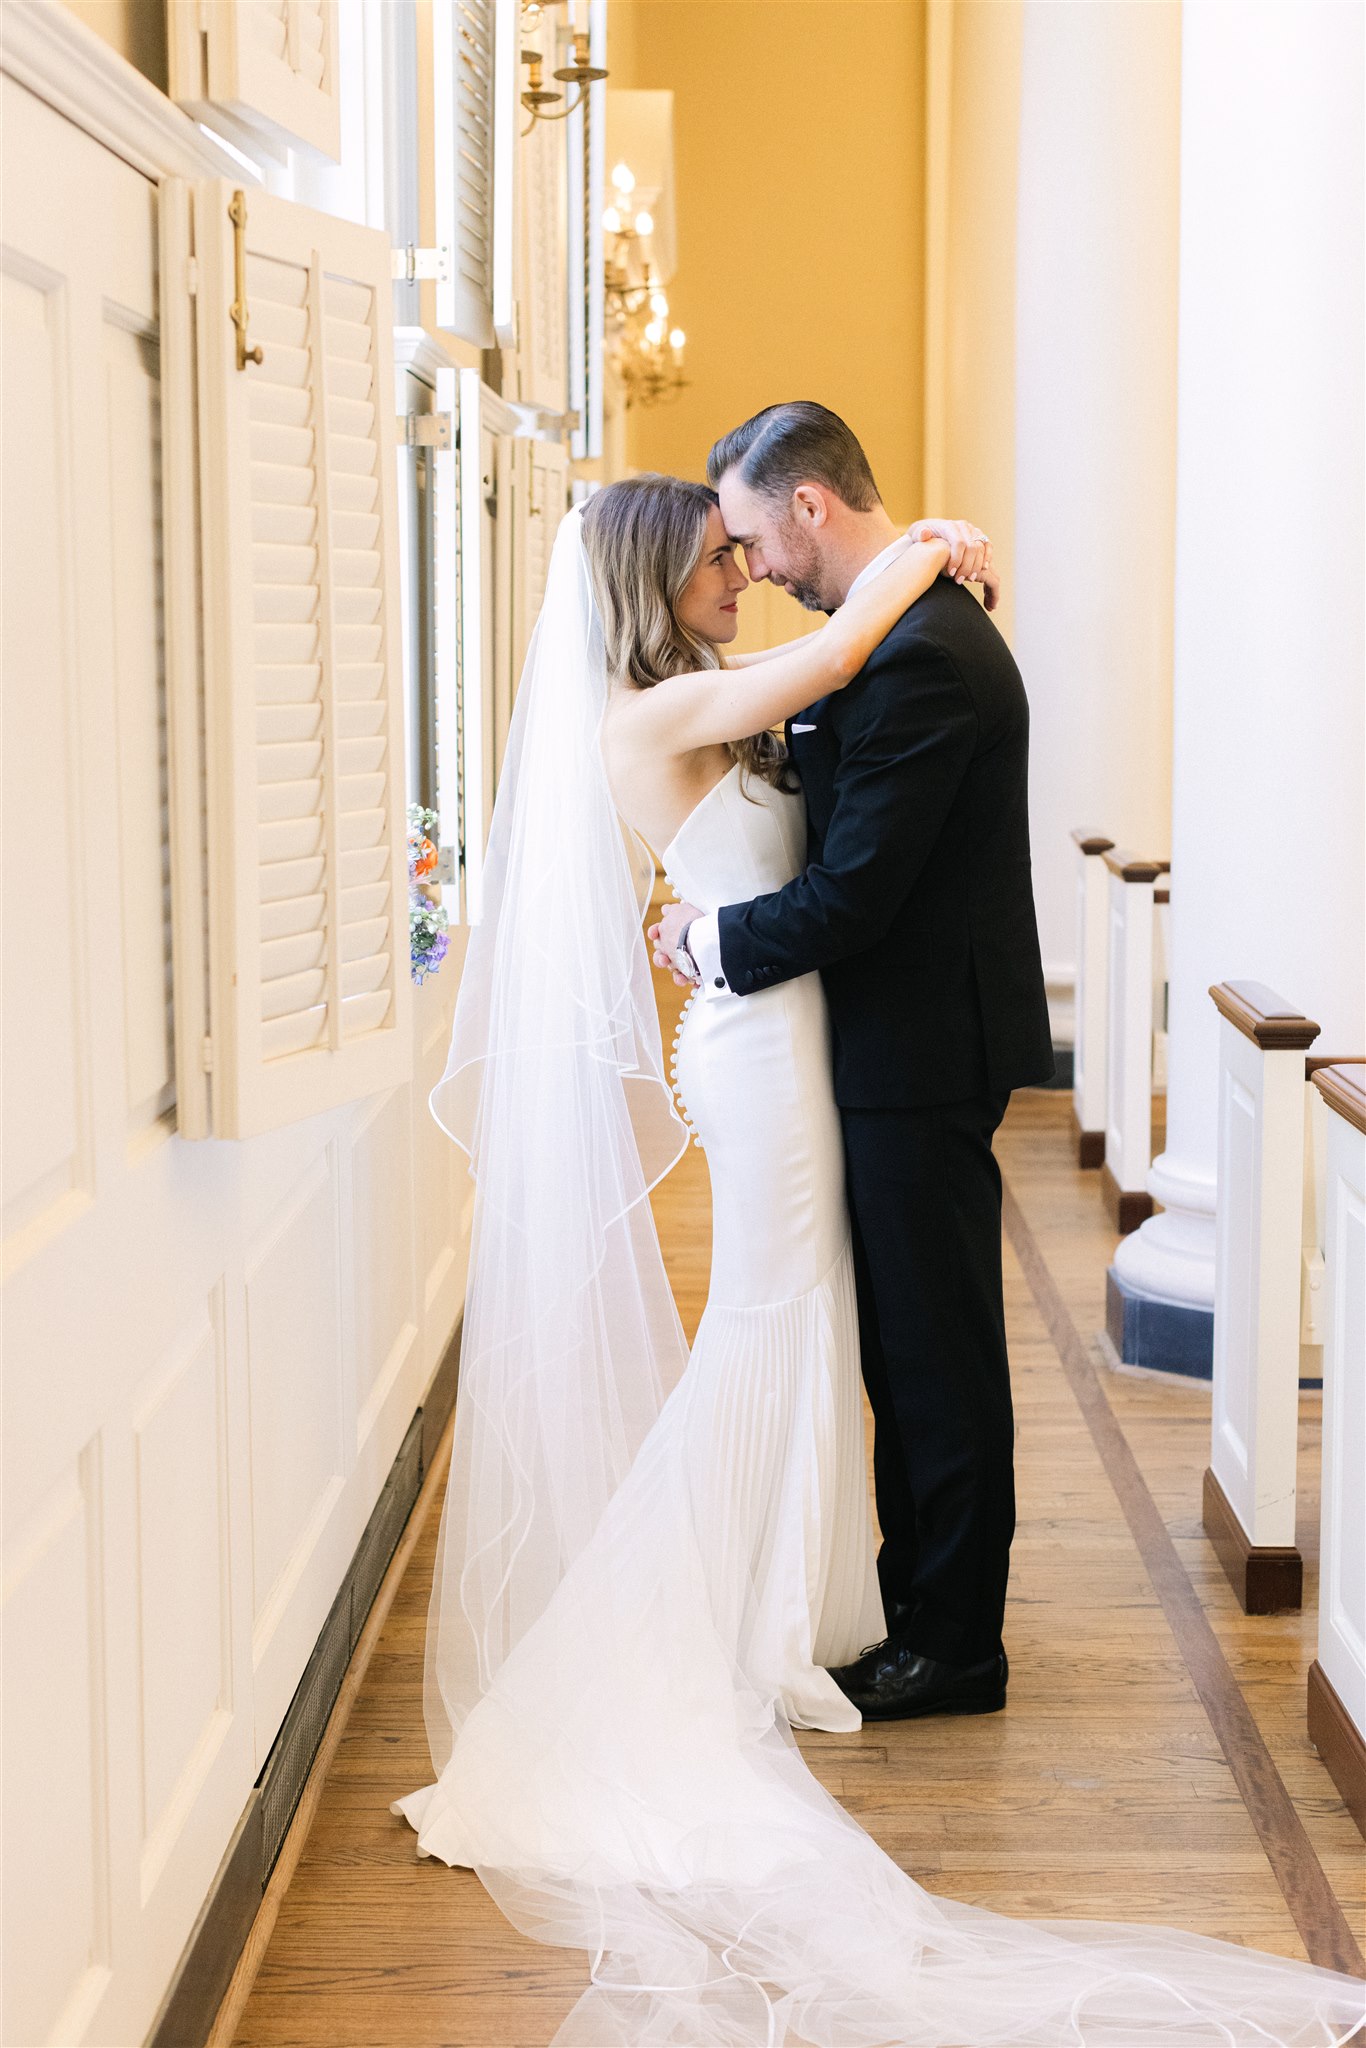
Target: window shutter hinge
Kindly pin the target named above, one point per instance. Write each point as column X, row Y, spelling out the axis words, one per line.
column 411, row 263
column 192, row 276
column 426, row 430
column 206, row 1054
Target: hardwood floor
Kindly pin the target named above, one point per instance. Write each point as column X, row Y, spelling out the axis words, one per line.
column 1152, row 1764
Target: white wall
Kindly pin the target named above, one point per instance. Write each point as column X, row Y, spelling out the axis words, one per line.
column 1095, row 431
column 213, row 1350
column 1269, row 653
column 1050, row 399
column 1271, row 536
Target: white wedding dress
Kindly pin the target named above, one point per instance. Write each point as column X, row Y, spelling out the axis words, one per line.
column 646, row 1558
column 769, row 1416
column 746, row 1511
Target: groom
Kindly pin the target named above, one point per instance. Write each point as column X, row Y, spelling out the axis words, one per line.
column 917, row 908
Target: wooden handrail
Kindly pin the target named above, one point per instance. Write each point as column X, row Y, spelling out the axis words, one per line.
column 1135, row 867
column 1314, row 1060
column 1263, row 1016
column 1343, row 1088
column 1090, row 842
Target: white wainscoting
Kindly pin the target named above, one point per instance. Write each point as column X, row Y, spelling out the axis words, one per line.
column 213, row 1349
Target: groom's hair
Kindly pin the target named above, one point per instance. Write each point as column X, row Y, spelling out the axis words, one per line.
column 796, row 443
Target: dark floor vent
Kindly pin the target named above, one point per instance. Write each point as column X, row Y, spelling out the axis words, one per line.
column 292, row 1753
column 385, row 1526
column 282, row 1776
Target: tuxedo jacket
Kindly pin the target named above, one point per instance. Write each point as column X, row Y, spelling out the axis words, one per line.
column 916, row 903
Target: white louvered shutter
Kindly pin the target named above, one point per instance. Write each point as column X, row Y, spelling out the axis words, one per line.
column 448, row 678
column 477, row 762
column 310, row 996
column 541, row 500
column 498, row 464
column 543, row 256
column 261, row 71
column 474, row 64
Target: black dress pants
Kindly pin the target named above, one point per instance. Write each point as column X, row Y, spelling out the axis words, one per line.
column 925, row 1203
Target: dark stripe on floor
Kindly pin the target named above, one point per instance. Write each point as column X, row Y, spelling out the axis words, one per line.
column 1314, row 1905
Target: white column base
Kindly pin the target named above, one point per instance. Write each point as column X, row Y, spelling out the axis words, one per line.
column 1171, row 1256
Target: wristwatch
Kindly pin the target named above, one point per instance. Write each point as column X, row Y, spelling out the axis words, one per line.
column 681, row 952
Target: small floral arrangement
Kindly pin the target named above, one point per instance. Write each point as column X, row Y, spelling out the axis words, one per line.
column 428, row 938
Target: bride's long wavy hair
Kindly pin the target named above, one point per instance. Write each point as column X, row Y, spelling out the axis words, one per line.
column 644, row 537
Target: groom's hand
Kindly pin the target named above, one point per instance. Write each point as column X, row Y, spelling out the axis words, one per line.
column 664, row 938
column 970, row 559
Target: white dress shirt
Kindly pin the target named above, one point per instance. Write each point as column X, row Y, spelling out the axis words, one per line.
column 704, row 933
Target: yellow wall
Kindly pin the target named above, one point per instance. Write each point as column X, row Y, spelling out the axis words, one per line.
column 799, row 161
column 135, row 28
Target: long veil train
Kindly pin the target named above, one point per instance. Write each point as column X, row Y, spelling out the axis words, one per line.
column 603, row 1761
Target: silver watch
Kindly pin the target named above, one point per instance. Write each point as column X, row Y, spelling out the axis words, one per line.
column 681, row 951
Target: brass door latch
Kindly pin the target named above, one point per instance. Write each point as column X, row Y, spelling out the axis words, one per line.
column 237, row 214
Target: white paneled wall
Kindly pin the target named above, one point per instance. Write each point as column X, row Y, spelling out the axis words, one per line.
column 128, row 1487
column 214, row 1346
column 184, row 1545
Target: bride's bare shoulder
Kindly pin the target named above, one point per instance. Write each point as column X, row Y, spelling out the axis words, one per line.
column 622, row 740
column 626, row 721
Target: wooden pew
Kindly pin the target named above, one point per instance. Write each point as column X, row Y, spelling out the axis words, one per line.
column 1249, row 1490
column 1337, row 1678
column 1132, row 884
column 1092, row 997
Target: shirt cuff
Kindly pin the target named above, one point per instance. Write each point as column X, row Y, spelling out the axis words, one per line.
column 704, row 943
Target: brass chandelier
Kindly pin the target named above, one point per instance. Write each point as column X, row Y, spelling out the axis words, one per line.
column 646, row 352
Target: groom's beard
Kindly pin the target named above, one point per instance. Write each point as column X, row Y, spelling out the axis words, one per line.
column 803, row 576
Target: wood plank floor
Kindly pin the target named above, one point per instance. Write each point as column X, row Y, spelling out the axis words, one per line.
column 1152, row 1764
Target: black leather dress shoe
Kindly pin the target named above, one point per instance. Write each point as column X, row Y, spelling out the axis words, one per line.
column 892, row 1682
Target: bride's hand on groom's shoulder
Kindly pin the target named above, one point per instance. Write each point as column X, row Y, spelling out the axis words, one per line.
column 970, row 557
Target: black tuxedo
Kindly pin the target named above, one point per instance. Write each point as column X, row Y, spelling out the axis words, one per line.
column 917, row 908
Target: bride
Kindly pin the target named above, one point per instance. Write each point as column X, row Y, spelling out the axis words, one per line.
column 647, row 1559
